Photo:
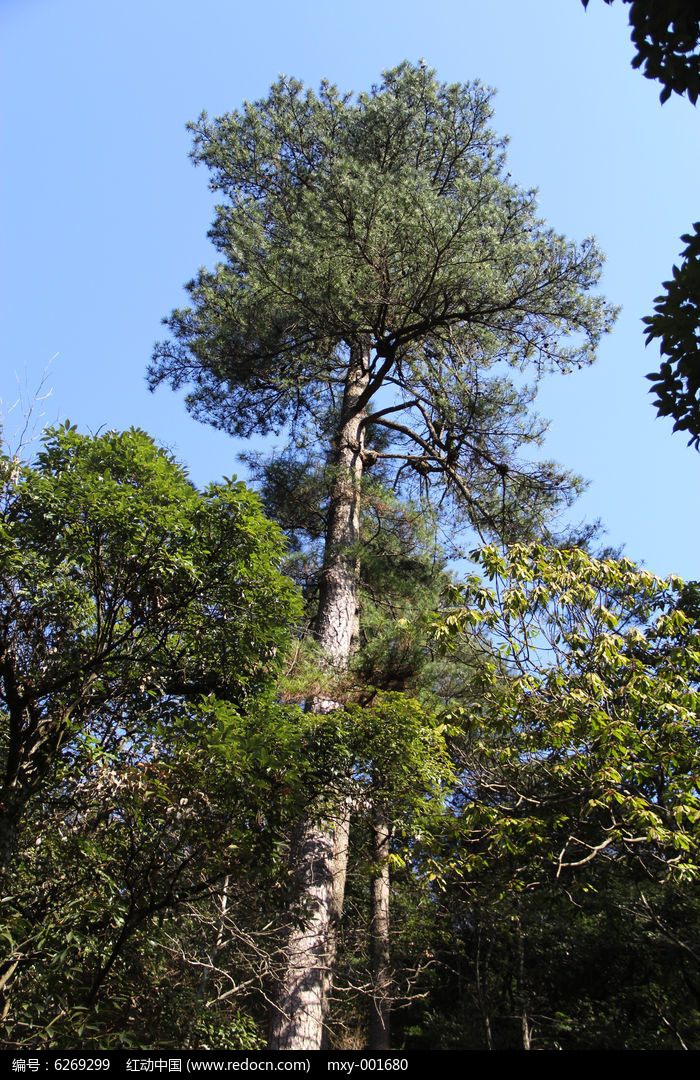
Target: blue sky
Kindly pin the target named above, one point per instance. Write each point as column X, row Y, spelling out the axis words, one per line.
column 104, row 217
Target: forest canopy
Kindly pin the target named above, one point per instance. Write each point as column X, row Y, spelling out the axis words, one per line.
column 275, row 773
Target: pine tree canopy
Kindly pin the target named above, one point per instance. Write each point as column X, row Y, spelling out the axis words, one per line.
column 387, row 224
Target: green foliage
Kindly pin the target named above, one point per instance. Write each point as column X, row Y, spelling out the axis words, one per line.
column 380, row 274
column 400, row 750
column 401, row 576
column 563, row 912
column 112, row 915
column 594, row 688
column 141, row 627
column 110, row 555
column 385, row 223
column 403, row 778
column 608, row 962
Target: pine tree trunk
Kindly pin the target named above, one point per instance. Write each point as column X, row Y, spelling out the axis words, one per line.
column 522, row 987
column 380, row 1006
column 319, row 849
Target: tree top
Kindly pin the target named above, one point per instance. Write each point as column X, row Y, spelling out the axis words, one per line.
column 383, row 224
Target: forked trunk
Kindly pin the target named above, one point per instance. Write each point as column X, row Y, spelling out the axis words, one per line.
column 319, row 847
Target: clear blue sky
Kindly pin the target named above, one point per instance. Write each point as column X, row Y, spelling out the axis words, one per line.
column 104, row 218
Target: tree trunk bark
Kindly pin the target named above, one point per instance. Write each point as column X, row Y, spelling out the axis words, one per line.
column 319, row 848
column 522, row 987
column 380, row 1005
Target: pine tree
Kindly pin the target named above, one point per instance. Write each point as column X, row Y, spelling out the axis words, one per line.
column 379, row 273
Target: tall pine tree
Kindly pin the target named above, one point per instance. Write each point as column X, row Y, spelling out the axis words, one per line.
column 379, row 272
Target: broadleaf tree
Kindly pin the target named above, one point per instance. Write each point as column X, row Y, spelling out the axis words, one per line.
column 379, row 271
column 578, row 754
column 594, row 687
column 142, row 624
column 121, row 583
